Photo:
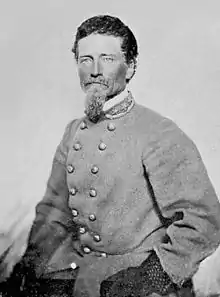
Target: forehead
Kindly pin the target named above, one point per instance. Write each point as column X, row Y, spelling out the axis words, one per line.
column 99, row 44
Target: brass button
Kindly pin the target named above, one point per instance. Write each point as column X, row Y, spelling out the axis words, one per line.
column 92, row 193
column 83, row 125
column 111, row 127
column 102, row 146
column 92, row 217
column 94, row 169
column 70, row 168
column 73, row 265
column 72, row 191
column 86, row 250
column 97, row 238
column 82, row 230
column 74, row 212
column 77, row 146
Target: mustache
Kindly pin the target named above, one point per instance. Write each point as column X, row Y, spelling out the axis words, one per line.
column 100, row 80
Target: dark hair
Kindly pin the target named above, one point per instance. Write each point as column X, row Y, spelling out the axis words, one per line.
column 109, row 25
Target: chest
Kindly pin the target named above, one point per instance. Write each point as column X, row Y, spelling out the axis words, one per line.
column 109, row 150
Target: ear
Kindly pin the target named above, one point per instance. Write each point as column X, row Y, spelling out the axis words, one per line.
column 130, row 70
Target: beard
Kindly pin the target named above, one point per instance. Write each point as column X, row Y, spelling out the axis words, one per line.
column 94, row 103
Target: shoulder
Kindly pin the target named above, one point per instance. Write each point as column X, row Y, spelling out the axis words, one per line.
column 71, row 127
column 153, row 123
column 159, row 132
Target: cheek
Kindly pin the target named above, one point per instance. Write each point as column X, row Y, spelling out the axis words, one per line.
column 117, row 74
column 83, row 75
column 121, row 73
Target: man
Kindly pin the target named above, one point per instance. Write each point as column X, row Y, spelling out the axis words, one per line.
column 129, row 209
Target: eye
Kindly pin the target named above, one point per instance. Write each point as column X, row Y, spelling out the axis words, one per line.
column 108, row 59
column 85, row 60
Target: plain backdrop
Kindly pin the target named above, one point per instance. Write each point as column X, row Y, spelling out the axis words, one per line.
column 178, row 75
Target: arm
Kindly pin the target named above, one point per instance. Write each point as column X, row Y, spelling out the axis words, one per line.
column 179, row 184
column 53, row 219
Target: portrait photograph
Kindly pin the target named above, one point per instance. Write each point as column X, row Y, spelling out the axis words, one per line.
column 110, row 157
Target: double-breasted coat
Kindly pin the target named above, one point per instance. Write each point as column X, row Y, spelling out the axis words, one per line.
column 131, row 183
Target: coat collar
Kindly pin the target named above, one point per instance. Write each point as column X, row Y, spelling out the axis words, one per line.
column 119, row 105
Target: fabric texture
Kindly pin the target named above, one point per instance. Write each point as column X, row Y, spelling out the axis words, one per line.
column 118, row 190
column 146, row 279
column 39, row 288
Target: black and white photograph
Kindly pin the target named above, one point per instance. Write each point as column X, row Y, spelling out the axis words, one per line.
column 110, row 150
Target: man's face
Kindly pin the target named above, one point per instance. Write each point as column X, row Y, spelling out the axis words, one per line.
column 101, row 64
column 102, row 70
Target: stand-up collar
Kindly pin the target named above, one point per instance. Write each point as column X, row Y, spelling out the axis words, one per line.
column 119, row 105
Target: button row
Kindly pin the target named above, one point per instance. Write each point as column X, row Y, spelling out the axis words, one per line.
column 77, row 146
column 92, row 192
column 96, row 237
column 82, row 230
column 110, row 126
column 102, row 146
column 75, row 213
column 87, row 251
column 71, row 169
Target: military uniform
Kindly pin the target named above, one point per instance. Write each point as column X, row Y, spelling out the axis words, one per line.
column 130, row 185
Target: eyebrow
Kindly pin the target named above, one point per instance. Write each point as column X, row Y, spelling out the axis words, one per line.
column 102, row 55
column 85, row 56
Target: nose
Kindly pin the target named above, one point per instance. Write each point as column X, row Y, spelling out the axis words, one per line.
column 96, row 69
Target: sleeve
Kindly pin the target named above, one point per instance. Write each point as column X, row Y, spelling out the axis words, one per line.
column 180, row 187
column 53, row 220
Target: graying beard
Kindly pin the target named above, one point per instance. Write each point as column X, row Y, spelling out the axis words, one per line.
column 94, row 111
column 94, row 107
